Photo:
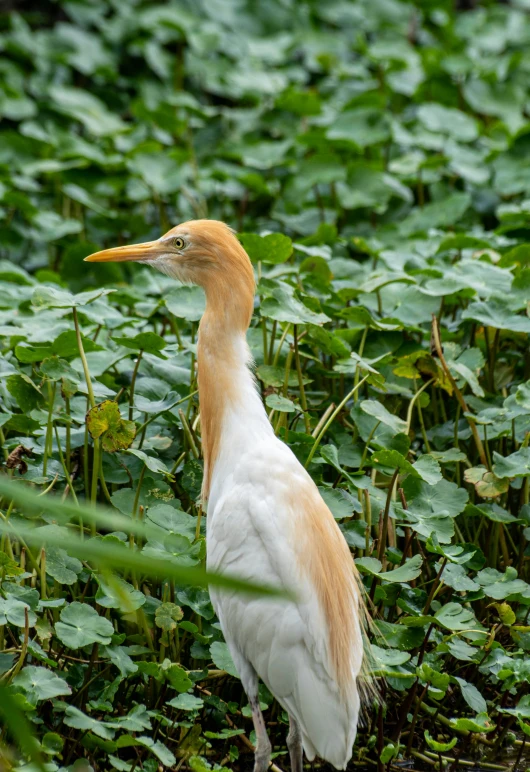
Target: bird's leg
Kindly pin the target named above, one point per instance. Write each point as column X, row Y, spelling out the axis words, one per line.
column 249, row 678
column 294, row 743
column 262, row 754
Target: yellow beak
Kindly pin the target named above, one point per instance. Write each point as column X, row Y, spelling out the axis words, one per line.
column 149, row 250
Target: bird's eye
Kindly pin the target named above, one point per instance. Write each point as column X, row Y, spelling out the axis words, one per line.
column 178, row 243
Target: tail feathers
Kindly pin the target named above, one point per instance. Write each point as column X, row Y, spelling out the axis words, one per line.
column 327, row 722
column 369, row 687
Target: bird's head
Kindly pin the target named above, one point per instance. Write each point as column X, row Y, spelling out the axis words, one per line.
column 203, row 252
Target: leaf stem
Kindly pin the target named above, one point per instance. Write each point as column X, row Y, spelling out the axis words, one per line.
column 133, row 383
column 82, row 356
column 63, row 464
column 384, row 531
column 273, row 337
column 303, row 398
column 357, row 368
column 331, row 419
column 280, row 344
column 188, row 434
column 24, row 650
column 413, row 401
column 434, row 587
column 458, row 393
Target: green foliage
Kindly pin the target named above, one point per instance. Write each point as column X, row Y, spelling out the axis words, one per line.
column 374, row 158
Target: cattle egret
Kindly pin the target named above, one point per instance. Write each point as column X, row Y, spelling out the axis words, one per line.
column 267, row 521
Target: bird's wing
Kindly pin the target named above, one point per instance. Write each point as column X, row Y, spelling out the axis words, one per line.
column 270, row 525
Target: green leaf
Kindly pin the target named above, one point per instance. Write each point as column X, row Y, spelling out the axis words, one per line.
column 455, row 576
column 158, row 749
column 472, row 696
column 389, row 657
column 30, row 354
column 78, row 720
column 56, row 368
column 65, row 345
column 50, row 226
column 275, row 376
column 273, row 249
column 149, row 342
column 119, row 657
column 378, row 411
column 428, row 469
column 81, row 625
column 284, row 306
column 26, row 394
column 502, row 99
column 453, row 616
column 399, row 636
column 39, row 683
column 411, row 569
column 52, row 744
column 136, row 719
column 455, row 553
column 499, row 586
column 364, row 127
column 173, row 520
column 430, row 675
column 61, row 567
column 186, row 702
column 51, row 297
column 496, row 313
column 161, row 173
column 77, row 193
column 443, row 498
column 515, row 465
column 447, row 120
column 369, row 565
column 222, row 658
column 281, row 404
column 481, row 723
column 369, row 187
column 86, row 108
column 105, row 421
column 438, row 746
column 14, row 611
column 115, row 592
column 405, row 573
column 388, row 753
column 178, row 678
column 153, row 464
column 438, row 214
column 186, row 302
column 425, row 467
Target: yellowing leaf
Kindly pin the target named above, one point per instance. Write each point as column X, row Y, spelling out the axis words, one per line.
column 105, row 421
column 487, row 484
column 506, row 613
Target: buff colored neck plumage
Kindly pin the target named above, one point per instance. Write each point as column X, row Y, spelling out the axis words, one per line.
column 222, row 353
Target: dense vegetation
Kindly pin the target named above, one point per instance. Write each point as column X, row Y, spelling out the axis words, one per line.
column 375, row 157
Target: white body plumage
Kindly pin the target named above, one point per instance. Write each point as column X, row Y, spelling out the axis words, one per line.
column 252, row 533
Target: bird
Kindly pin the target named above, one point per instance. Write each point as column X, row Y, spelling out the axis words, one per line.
column 266, row 520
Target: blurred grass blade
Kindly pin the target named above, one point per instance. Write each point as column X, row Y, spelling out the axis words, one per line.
column 63, row 512
column 111, row 554
column 19, row 728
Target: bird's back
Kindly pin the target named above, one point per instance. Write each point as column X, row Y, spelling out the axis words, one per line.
column 267, row 522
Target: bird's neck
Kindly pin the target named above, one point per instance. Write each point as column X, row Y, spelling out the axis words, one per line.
column 232, row 413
